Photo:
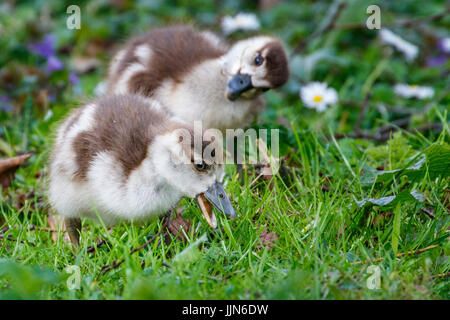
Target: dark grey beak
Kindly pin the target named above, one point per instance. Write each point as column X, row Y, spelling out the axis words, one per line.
column 218, row 198
column 238, row 84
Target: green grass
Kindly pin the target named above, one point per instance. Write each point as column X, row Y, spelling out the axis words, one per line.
column 321, row 235
column 321, row 240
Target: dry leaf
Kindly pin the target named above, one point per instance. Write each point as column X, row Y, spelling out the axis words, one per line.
column 97, row 47
column 42, row 100
column 9, row 166
column 55, row 223
column 178, row 223
column 267, row 239
column 23, row 198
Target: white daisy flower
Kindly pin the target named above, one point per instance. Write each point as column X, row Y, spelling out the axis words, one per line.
column 413, row 91
column 242, row 21
column 316, row 95
column 444, row 44
column 408, row 49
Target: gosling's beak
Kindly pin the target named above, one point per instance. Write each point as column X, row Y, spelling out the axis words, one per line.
column 238, row 84
column 217, row 196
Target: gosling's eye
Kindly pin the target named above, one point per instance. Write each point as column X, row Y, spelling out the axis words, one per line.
column 201, row 166
column 259, row 60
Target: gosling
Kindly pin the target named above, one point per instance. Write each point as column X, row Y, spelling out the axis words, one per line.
column 198, row 77
column 124, row 158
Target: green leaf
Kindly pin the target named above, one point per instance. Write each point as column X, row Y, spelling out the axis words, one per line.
column 26, row 282
column 435, row 161
column 391, row 201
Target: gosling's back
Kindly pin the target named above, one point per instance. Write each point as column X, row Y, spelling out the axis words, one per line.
column 98, row 154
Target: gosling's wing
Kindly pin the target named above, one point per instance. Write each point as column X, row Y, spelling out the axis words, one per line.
column 125, row 126
column 160, row 54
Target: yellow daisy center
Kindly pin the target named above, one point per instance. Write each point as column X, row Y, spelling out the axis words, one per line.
column 413, row 86
column 317, row 98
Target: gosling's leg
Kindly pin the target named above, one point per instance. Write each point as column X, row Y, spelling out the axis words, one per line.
column 73, row 227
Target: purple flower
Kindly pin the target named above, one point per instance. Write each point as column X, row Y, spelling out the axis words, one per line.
column 73, row 78
column 45, row 48
column 53, row 64
column 436, row 61
column 5, row 104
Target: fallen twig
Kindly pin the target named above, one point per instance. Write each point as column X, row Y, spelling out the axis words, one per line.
column 398, row 255
column 10, row 238
column 116, row 263
column 392, row 126
column 428, row 213
column 440, row 275
column 92, row 249
column 9, row 166
column 29, row 228
column 386, row 136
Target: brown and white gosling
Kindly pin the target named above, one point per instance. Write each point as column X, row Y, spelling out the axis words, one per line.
column 124, row 158
column 197, row 76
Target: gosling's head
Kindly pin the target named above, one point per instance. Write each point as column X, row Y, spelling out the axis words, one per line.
column 193, row 165
column 254, row 65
